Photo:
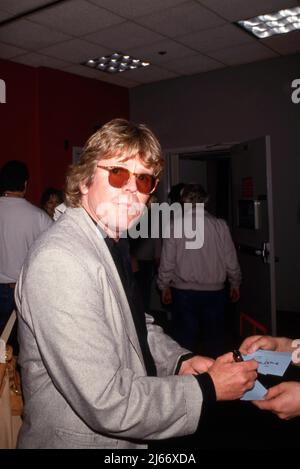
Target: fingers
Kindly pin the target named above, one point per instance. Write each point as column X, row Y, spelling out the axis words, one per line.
column 196, row 365
column 252, row 377
column 260, row 343
column 208, row 361
column 274, row 392
column 272, row 399
column 250, row 344
column 232, row 379
column 271, row 406
column 264, row 405
column 249, row 380
column 226, row 358
column 250, row 365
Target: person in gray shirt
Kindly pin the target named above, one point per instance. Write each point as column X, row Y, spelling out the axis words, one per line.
column 193, row 280
column 21, row 223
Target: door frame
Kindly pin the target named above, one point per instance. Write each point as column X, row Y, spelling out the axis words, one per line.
column 271, row 234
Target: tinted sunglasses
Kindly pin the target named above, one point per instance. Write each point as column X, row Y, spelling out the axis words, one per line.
column 119, row 177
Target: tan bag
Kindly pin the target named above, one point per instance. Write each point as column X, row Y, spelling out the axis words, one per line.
column 10, row 394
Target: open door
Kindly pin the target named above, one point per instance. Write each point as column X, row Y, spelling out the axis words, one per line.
column 252, row 230
column 249, row 215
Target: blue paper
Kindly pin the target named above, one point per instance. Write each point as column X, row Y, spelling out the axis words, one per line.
column 270, row 363
column 257, row 393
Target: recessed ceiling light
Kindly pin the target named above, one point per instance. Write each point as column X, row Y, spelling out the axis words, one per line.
column 280, row 22
column 116, row 62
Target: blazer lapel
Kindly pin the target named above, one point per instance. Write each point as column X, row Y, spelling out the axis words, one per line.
column 83, row 221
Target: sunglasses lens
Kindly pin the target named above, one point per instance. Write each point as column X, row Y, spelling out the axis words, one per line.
column 145, row 183
column 118, row 177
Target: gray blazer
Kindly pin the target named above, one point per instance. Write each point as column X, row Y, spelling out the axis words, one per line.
column 82, row 368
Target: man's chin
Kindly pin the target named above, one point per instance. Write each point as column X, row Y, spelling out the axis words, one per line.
column 118, row 230
column 122, row 228
column 118, row 227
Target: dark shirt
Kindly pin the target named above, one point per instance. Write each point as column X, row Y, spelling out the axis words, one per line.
column 121, row 256
column 120, row 253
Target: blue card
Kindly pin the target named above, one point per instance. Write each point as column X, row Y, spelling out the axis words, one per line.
column 257, row 393
column 270, row 363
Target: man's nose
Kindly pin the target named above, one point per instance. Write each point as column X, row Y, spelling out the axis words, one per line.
column 131, row 183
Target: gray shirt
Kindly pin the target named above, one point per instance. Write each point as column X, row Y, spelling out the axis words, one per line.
column 20, row 225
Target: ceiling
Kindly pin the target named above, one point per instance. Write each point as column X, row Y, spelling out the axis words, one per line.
column 178, row 37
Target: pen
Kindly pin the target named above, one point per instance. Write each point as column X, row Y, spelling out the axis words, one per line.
column 237, row 356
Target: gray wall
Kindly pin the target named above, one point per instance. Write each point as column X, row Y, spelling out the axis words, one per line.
column 193, row 171
column 238, row 104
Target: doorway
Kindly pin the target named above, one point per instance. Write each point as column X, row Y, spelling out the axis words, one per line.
column 238, row 178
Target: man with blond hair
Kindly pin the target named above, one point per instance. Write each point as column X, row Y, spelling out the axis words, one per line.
column 97, row 372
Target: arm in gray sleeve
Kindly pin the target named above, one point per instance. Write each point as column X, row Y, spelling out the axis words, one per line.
column 167, row 263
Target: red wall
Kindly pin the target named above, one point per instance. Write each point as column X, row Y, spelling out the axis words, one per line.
column 18, row 116
column 48, row 109
column 70, row 108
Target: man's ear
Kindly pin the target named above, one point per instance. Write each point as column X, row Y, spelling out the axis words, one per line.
column 83, row 188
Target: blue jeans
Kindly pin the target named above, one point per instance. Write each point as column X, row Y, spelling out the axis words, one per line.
column 198, row 320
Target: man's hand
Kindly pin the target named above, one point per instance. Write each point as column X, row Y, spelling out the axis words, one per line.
column 166, row 296
column 195, row 365
column 283, row 400
column 234, row 294
column 266, row 342
column 231, row 379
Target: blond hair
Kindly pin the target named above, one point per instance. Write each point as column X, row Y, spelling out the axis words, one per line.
column 116, row 138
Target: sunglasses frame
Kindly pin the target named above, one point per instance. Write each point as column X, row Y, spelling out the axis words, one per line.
column 110, row 168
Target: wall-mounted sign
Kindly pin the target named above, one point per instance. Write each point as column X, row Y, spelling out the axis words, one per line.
column 247, row 188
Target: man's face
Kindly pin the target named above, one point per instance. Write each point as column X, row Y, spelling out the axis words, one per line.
column 116, row 209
